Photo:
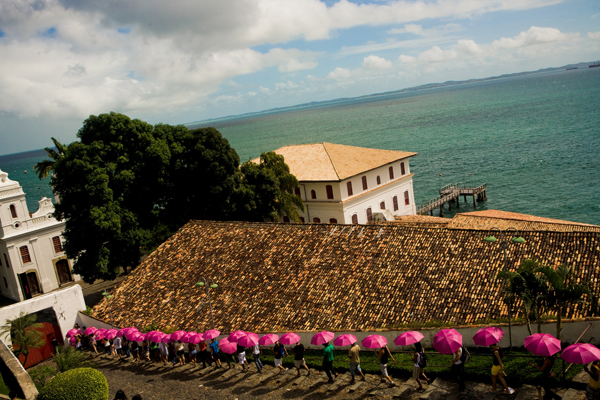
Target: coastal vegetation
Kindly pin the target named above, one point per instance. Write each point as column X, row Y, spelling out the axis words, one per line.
column 126, row 186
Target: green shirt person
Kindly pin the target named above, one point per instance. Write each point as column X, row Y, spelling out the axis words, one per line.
column 328, row 353
column 328, row 361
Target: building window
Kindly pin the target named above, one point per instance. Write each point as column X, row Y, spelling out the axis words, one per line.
column 369, row 214
column 402, row 170
column 395, row 201
column 313, row 194
column 297, row 191
column 33, row 283
column 5, row 282
column 302, row 219
column 382, row 205
column 13, row 211
column 57, row 244
column 364, row 182
column 329, row 191
column 349, row 187
column 406, row 201
column 286, row 219
column 25, row 254
column 391, row 172
column 6, row 260
column 378, row 180
column 355, row 219
column 332, row 221
column 317, row 220
column 0, row 262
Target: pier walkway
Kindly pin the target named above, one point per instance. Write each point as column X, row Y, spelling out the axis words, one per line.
column 451, row 193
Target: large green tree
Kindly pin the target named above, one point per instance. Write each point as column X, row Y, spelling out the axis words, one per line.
column 125, row 186
column 23, row 333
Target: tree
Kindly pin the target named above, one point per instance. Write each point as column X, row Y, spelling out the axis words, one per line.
column 43, row 168
column 562, row 291
column 23, row 333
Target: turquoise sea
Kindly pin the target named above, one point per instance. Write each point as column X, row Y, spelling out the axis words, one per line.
column 534, row 139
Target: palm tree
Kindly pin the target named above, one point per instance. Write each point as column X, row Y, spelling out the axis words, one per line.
column 43, row 168
column 23, row 333
column 562, row 291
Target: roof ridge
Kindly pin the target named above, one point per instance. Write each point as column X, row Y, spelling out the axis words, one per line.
column 331, row 160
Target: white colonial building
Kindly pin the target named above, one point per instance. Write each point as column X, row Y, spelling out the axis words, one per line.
column 350, row 185
column 32, row 260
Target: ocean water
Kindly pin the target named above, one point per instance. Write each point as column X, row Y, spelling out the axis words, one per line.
column 534, row 139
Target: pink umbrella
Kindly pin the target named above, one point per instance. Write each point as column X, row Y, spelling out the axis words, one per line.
column 211, row 334
column 72, row 340
column 447, row 341
column 248, row 340
column 321, row 338
column 542, row 344
column 374, row 342
column 73, row 332
column 135, row 337
column 185, row 338
column 132, row 335
column 155, row 336
column 99, row 335
column 195, row 338
column 121, row 332
column 90, row 330
column 177, row 335
column 580, row 353
column 268, row 339
column 234, row 336
column 227, row 347
column 110, row 334
column 408, row 338
column 344, row 340
column 289, row 338
column 167, row 339
column 488, row 336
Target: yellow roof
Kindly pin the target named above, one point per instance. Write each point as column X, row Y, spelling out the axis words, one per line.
column 334, row 162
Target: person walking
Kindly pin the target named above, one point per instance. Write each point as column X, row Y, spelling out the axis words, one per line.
column 135, row 350
column 384, row 356
column 164, row 352
column 548, row 378
column 117, row 344
column 592, row 390
column 204, row 354
column 299, row 362
column 328, row 358
column 180, row 348
column 256, row 351
column 354, row 356
column 457, row 369
column 279, row 351
column 193, row 352
column 214, row 348
column 241, row 355
column 498, row 368
column 419, row 363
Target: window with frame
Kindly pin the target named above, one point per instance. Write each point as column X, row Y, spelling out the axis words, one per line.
column 349, row 188
column 378, row 180
column 25, row 254
column 57, row 244
column 395, row 201
column 332, row 221
column 313, row 194
column 317, row 220
column 13, row 211
column 382, row 205
column 302, row 219
column 402, row 170
column 286, row 219
column 297, row 191
column 6, row 260
column 406, row 201
column 391, row 172
column 329, row 189
column 355, row 219
column 364, row 183
column 369, row 214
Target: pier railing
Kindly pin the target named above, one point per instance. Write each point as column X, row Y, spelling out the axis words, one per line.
column 450, row 192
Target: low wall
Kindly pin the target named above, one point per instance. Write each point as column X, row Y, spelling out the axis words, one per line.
column 15, row 376
column 66, row 303
column 87, row 321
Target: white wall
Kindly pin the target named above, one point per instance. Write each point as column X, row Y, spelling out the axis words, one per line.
column 66, row 304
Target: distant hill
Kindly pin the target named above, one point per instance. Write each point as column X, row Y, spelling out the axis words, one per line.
column 197, row 124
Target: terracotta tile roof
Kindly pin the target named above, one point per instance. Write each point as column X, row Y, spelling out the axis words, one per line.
column 485, row 220
column 302, row 277
column 425, row 221
column 334, row 162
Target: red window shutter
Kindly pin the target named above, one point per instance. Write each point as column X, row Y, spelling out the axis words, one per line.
column 297, row 191
column 406, row 201
column 57, row 244
column 354, row 219
column 382, row 205
column 25, row 254
column 313, row 194
column 402, row 170
column 369, row 214
column 332, row 221
column 364, row 182
column 391, row 172
column 349, row 187
column 378, row 180
column 317, row 220
column 329, row 191
column 395, row 201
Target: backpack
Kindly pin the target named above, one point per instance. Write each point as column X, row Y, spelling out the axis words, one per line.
column 282, row 351
column 422, row 360
column 465, row 355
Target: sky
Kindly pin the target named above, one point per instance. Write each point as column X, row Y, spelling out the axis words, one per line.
column 181, row 61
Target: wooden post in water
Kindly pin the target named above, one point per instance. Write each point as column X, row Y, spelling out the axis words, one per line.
column 474, row 206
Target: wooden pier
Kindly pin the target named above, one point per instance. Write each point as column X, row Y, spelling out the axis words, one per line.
column 451, row 193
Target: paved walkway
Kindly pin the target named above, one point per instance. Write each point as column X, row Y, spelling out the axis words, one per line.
column 157, row 382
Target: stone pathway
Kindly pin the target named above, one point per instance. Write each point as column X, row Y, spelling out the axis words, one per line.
column 155, row 381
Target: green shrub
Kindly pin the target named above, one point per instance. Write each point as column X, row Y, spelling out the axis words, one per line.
column 76, row 384
column 41, row 375
column 70, row 358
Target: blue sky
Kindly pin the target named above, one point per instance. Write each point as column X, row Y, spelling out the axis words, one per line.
column 189, row 60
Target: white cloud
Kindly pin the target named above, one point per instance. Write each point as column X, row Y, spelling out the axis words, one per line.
column 594, row 35
column 285, row 85
column 407, row 59
column 432, row 32
column 535, row 35
column 374, row 62
column 339, row 73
